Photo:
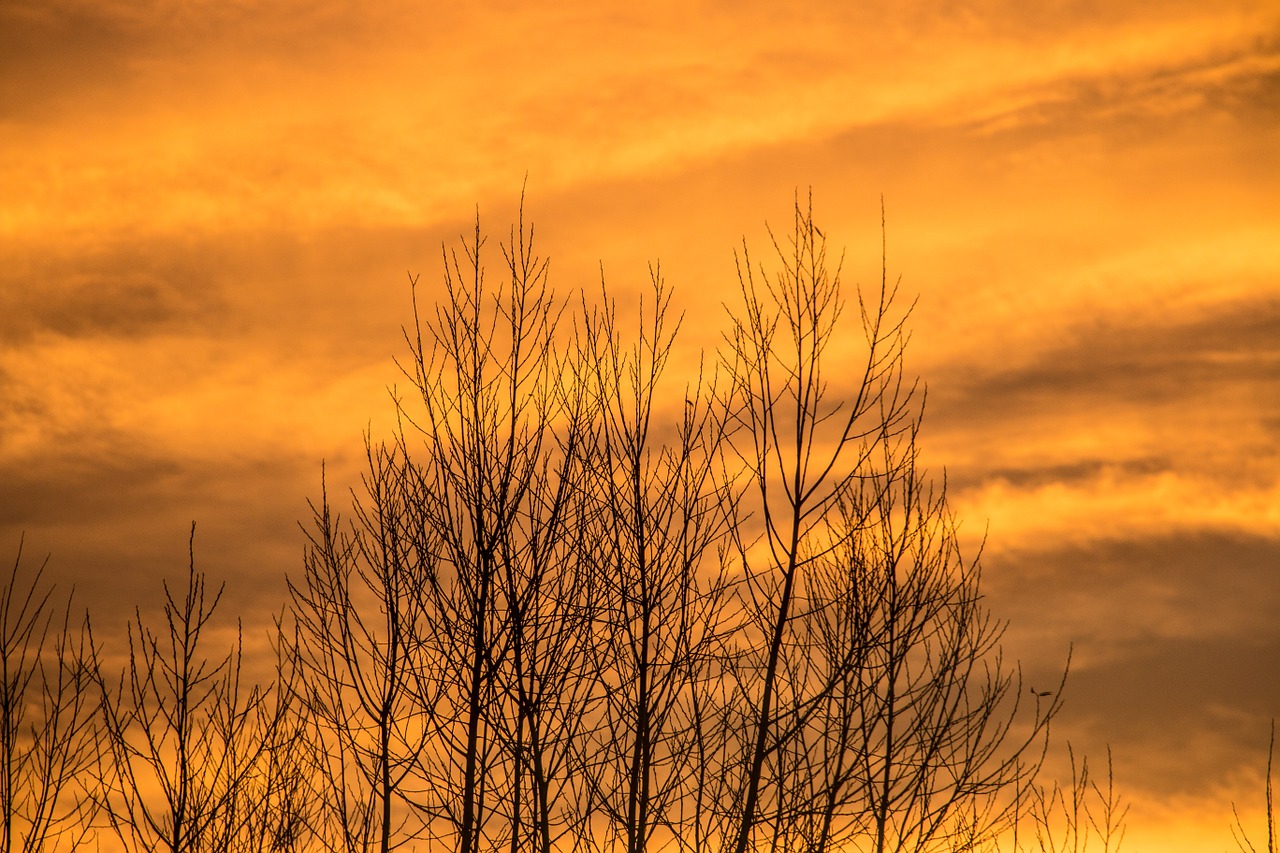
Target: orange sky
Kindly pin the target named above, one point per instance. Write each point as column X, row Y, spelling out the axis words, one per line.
column 207, row 212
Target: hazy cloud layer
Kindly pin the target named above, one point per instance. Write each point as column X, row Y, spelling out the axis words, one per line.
column 1141, row 428
column 125, row 292
column 1175, row 644
column 226, row 116
column 1150, row 362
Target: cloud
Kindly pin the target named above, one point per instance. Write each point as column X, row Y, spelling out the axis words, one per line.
column 1118, row 593
column 201, row 342
column 443, row 108
column 1218, row 364
column 1174, row 637
column 114, row 519
column 1133, row 427
column 126, row 291
column 46, row 52
column 1233, row 77
column 95, row 484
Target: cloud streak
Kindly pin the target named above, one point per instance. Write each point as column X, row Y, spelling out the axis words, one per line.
column 437, row 110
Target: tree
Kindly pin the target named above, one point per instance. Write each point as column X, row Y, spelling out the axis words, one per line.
column 664, row 599
column 868, row 683
column 552, row 624
column 1066, row 818
column 1237, row 830
column 47, row 739
column 353, row 609
column 803, row 453
column 185, row 749
column 499, row 506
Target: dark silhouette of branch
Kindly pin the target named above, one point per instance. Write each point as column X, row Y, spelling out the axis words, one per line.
column 353, row 609
column 1066, row 819
column 556, row 621
column 183, row 744
column 496, row 432
column 666, row 605
column 870, row 692
column 47, row 739
column 1237, row 829
column 804, row 446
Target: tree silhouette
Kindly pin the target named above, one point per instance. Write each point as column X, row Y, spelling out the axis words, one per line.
column 47, row 741
column 186, row 752
column 495, row 440
column 352, row 609
column 572, row 607
column 665, row 598
column 1237, row 829
column 869, row 702
column 1066, row 818
column 564, row 616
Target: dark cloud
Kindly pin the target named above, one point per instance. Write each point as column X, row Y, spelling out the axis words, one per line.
column 129, row 290
column 114, row 517
column 48, row 51
column 1177, row 651
column 1188, row 714
column 116, row 520
column 1201, row 580
column 1144, row 363
column 58, row 55
column 961, row 478
column 93, row 305
column 96, row 487
column 1238, row 83
column 291, row 296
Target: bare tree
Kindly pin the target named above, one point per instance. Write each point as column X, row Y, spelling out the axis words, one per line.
column 182, row 740
column 803, row 446
column 869, row 686
column 943, row 731
column 276, row 806
column 1067, row 818
column 1237, row 829
column 553, row 624
column 495, row 432
column 665, row 602
column 46, row 713
column 353, row 608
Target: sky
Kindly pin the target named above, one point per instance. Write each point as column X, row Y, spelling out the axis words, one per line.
column 209, row 212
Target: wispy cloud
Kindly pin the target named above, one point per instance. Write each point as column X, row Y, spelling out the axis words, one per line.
column 234, row 125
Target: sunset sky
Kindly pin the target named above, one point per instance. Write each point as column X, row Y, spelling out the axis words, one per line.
column 209, row 211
